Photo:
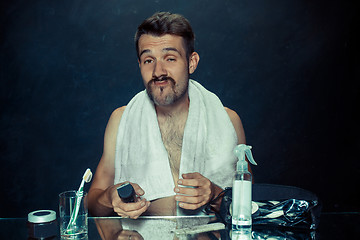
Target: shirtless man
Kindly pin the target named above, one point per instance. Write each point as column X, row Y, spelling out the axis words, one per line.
column 165, row 62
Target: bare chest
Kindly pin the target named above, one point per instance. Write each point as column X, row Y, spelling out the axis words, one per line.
column 172, row 132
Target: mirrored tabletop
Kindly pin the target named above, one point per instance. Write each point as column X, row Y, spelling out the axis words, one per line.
column 332, row 226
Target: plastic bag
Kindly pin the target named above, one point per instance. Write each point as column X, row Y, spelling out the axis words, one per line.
column 285, row 213
column 283, row 206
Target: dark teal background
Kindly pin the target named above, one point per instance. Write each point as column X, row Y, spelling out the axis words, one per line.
column 290, row 69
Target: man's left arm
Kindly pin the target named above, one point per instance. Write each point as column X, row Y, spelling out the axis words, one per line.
column 236, row 121
column 204, row 190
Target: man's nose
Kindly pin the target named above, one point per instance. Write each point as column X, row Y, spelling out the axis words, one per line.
column 159, row 69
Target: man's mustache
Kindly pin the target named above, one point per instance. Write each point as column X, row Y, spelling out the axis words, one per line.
column 161, row 78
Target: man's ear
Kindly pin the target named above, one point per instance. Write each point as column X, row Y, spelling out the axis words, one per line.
column 193, row 62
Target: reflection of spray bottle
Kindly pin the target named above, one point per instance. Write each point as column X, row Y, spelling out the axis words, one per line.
column 241, row 191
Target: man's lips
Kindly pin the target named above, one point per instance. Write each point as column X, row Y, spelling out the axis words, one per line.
column 161, row 82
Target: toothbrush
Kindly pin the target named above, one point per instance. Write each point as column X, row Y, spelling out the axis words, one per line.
column 79, row 194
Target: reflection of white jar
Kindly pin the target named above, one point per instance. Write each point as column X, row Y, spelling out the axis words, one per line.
column 42, row 224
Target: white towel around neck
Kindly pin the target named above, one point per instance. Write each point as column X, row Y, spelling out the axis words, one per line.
column 208, row 143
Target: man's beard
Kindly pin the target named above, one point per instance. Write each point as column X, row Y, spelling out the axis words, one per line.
column 161, row 99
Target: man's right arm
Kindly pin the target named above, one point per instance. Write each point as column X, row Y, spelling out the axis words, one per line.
column 102, row 197
column 99, row 196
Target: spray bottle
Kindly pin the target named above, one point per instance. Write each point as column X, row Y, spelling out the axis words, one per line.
column 241, row 191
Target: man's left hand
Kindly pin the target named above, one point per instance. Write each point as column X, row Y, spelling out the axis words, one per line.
column 197, row 191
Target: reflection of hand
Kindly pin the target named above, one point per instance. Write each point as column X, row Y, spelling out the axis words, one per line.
column 127, row 235
column 206, row 236
column 111, row 228
column 193, row 198
column 131, row 210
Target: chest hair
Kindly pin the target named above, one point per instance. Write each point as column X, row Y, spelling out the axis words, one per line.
column 172, row 132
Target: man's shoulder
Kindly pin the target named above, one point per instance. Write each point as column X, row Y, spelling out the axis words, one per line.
column 232, row 114
column 119, row 110
column 117, row 114
column 236, row 121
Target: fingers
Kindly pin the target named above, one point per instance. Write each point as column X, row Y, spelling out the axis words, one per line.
column 138, row 190
column 191, row 206
column 126, row 235
column 197, row 191
column 194, row 180
column 192, row 198
column 192, row 175
column 193, row 191
column 131, row 210
column 189, row 202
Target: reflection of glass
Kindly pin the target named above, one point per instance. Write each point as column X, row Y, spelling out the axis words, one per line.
column 240, row 235
column 79, row 230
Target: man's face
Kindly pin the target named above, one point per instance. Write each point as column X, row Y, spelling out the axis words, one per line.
column 164, row 68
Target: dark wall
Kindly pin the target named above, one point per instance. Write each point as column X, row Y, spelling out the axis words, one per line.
column 287, row 67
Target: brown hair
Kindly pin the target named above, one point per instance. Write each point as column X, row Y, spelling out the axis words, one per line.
column 162, row 23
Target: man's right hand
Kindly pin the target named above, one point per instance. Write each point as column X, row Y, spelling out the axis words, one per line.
column 128, row 210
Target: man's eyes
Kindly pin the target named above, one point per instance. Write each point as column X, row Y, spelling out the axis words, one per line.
column 168, row 59
column 147, row 61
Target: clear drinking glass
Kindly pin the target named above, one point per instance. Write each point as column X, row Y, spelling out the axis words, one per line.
column 68, row 204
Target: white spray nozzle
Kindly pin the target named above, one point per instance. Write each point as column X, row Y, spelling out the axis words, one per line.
column 87, row 175
column 240, row 151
